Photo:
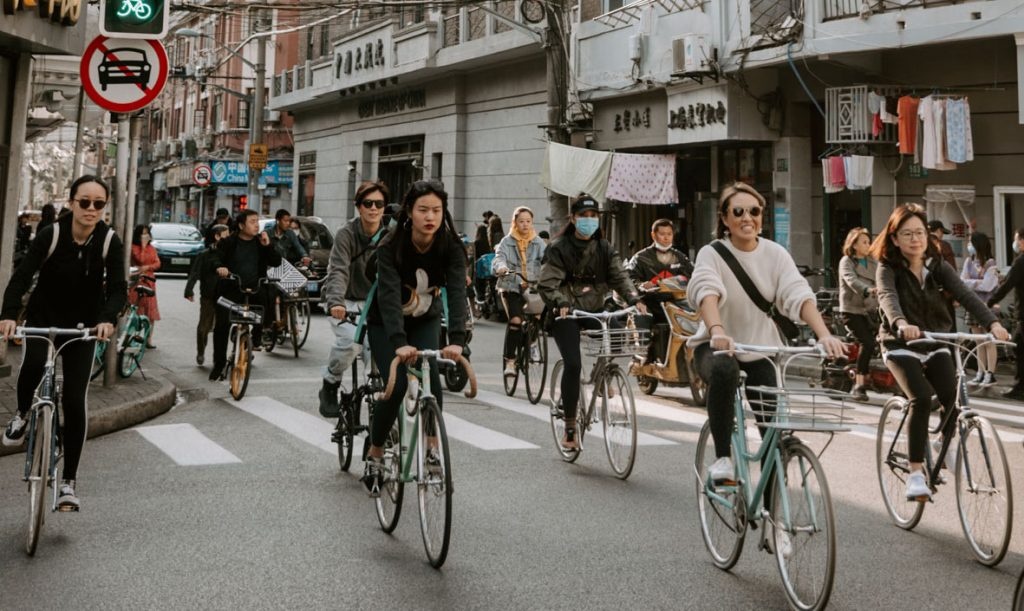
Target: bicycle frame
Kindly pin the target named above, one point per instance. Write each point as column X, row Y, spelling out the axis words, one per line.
column 414, row 440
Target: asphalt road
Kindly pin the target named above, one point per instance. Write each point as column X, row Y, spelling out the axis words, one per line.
column 224, row 504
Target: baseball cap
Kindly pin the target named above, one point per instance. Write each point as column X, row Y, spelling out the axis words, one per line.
column 584, row 202
column 937, row 224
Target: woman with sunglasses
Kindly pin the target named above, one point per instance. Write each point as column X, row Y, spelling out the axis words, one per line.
column 76, row 286
column 729, row 315
column 346, row 286
column 418, row 256
column 911, row 279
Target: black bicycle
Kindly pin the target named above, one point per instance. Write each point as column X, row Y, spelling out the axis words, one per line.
column 532, row 352
column 349, row 419
column 455, row 376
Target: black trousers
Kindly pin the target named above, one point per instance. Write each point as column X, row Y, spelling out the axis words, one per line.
column 920, row 381
column 513, row 332
column 422, row 333
column 76, row 363
column 223, row 323
column 721, row 373
column 1018, row 351
column 566, row 334
column 865, row 332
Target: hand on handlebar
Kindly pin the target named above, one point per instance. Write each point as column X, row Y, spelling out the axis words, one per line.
column 223, row 272
column 722, row 342
column 338, row 312
column 910, row 332
column 503, row 271
column 451, row 352
column 999, row 332
column 564, row 311
column 641, row 307
column 7, row 328
column 406, row 354
column 104, row 331
column 833, row 346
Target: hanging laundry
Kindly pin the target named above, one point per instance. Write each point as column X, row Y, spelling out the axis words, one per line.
column 888, row 112
column 837, row 172
column 570, row 170
column 931, row 111
column 907, row 110
column 826, row 177
column 859, row 171
column 958, row 131
column 643, row 179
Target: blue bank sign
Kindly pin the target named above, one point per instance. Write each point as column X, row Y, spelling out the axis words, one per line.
column 237, row 172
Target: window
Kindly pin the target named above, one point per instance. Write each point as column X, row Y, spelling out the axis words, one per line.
column 243, row 112
column 325, row 39
column 309, row 43
column 307, row 193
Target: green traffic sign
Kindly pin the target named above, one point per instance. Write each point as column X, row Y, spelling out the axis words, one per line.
column 134, row 18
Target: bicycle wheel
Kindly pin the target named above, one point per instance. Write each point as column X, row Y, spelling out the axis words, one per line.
column 804, row 540
column 434, row 488
column 984, row 494
column 618, row 415
column 558, row 415
column 723, row 521
column 99, row 360
column 242, row 367
column 511, row 381
column 389, row 503
column 1018, row 596
column 698, row 388
column 130, row 354
column 293, row 327
column 302, row 322
column 893, row 463
column 343, row 436
column 455, row 377
column 42, row 423
column 536, row 363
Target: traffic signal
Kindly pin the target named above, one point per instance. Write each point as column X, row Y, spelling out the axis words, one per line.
column 243, row 202
column 134, row 18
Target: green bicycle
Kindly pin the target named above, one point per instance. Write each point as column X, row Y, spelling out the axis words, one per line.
column 131, row 340
column 420, row 429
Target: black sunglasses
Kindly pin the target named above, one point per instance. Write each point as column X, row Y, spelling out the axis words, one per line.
column 96, row 204
column 738, row 211
column 375, row 203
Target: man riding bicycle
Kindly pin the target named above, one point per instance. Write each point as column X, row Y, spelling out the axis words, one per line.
column 580, row 269
column 650, row 266
column 286, row 241
column 346, row 286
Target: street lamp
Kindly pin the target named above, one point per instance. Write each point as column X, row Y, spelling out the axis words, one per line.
column 256, row 121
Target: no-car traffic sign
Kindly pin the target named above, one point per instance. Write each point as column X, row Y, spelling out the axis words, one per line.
column 122, row 74
column 201, row 174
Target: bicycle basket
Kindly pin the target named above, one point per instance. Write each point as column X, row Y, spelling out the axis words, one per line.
column 801, row 410
column 615, row 342
column 533, row 304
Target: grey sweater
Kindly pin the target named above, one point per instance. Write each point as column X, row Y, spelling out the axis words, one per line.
column 346, row 268
column 855, row 282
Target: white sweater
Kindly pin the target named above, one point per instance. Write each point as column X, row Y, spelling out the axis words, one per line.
column 773, row 272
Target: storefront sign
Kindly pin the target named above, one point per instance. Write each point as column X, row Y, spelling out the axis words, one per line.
column 392, row 103
column 362, row 57
column 631, row 122
column 696, row 115
column 633, row 119
column 64, row 12
column 236, row 172
column 713, row 114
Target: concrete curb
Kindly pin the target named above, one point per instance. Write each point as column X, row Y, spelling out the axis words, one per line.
column 122, row 416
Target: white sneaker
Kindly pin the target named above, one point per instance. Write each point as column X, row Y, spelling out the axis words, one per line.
column 67, row 499
column 988, row 380
column 722, row 470
column 534, row 352
column 510, row 367
column 14, row 434
column 976, row 381
column 785, row 544
column 950, row 462
column 917, row 487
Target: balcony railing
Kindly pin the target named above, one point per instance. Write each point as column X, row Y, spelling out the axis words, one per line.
column 843, row 9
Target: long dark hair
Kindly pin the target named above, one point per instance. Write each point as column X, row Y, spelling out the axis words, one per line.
column 137, row 234
column 884, row 247
column 400, row 237
column 982, row 247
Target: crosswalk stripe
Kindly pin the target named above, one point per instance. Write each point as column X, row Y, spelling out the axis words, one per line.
column 481, row 437
column 307, row 427
column 185, row 445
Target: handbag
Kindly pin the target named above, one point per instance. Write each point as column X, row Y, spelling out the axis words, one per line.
column 786, row 327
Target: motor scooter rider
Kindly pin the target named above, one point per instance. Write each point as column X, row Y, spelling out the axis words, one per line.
column 650, row 266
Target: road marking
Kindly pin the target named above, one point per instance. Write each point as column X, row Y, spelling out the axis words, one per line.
column 307, row 427
column 284, row 380
column 185, row 445
column 481, row 437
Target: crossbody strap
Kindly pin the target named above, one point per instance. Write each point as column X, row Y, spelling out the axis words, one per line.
column 744, row 280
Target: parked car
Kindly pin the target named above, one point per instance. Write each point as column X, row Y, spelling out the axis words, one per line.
column 177, row 245
column 318, row 241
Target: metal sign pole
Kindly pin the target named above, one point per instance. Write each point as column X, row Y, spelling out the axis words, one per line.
column 118, row 214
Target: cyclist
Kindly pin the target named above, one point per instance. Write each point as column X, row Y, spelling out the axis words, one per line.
column 858, row 302
column 286, row 241
column 203, row 272
column 520, row 251
column 729, row 314
column 247, row 253
column 981, row 274
column 418, row 256
column 146, row 260
column 346, row 285
column 1014, row 281
column 650, row 266
column 76, row 285
column 580, row 268
column 911, row 278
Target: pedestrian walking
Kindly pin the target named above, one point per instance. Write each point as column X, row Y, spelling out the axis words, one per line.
column 935, row 232
column 1014, row 281
column 858, row 302
column 981, row 275
column 146, row 261
column 204, row 272
column 47, row 216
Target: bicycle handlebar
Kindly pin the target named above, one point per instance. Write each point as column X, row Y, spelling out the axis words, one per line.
column 436, row 355
column 954, row 339
column 29, row 332
column 521, row 275
column 578, row 314
column 259, row 282
column 813, row 348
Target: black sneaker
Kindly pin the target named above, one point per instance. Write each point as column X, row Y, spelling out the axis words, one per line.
column 217, row 373
column 15, row 431
column 329, row 406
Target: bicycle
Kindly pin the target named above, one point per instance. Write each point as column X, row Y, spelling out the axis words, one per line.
column 532, row 352
column 293, row 318
column 42, row 438
column 610, row 383
column 243, row 317
column 800, row 509
column 135, row 8
column 132, row 339
column 348, row 420
column 1018, row 595
column 418, row 440
column 454, row 377
column 984, row 493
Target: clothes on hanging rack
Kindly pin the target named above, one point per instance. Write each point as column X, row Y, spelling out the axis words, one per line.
column 959, row 141
column 932, row 111
column 907, row 111
column 859, row 170
column 833, row 182
column 643, row 179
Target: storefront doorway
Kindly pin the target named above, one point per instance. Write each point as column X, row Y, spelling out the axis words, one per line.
column 843, row 211
column 399, row 164
column 1008, row 213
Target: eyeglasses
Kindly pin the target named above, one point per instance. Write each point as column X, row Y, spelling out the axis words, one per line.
column 96, row 204
column 920, row 234
column 374, row 203
column 739, row 211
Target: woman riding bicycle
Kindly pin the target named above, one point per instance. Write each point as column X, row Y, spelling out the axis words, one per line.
column 419, row 255
column 911, row 279
column 76, row 286
column 580, row 268
column 729, row 314
column 858, row 302
column 521, row 251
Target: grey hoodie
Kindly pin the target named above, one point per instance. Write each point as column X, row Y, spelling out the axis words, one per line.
column 346, row 268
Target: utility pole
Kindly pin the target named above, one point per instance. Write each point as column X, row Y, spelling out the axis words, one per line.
column 256, row 121
column 133, row 181
column 557, row 83
column 76, row 169
column 119, row 216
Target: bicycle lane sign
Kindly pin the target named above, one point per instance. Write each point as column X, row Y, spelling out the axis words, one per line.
column 123, row 74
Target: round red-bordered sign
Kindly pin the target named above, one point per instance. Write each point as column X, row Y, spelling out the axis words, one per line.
column 202, row 174
column 123, row 74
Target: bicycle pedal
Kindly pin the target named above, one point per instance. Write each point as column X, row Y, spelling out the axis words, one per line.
column 67, row 509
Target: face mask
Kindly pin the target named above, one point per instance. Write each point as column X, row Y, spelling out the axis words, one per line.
column 587, row 225
column 1016, row 247
column 970, row 250
column 662, row 248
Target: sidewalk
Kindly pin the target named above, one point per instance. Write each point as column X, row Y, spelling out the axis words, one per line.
column 130, row 402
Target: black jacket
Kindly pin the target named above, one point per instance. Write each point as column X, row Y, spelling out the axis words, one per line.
column 205, row 272
column 579, row 274
column 75, row 286
column 645, row 266
column 269, row 257
column 1014, row 281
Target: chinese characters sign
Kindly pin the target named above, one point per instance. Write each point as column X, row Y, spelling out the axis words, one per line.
column 697, row 115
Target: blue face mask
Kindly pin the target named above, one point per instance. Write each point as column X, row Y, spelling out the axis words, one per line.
column 587, row 225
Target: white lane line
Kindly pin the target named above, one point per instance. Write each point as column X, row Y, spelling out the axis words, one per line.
column 481, row 437
column 285, row 380
column 185, row 445
column 307, row 427
column 541, row 412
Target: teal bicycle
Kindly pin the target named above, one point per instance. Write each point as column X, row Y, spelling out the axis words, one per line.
column 132, row 338
column 416, row 451
column 797, row 519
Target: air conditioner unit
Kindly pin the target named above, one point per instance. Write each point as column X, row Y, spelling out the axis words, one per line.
column 223, row 127
column 690, row 54
column 271, row 116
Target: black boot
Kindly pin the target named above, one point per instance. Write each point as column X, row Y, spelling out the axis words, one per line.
column 329, row 407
